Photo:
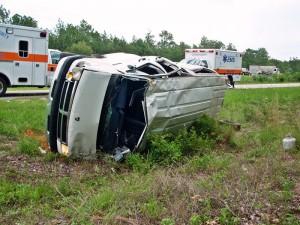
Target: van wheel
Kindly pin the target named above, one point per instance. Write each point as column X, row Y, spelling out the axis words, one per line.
column 3, row 86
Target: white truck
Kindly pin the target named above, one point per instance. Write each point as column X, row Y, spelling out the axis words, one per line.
column 266, row 70
column 25, row 59
column 224, row 62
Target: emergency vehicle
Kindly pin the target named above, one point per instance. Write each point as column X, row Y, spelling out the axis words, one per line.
column 25, row 57
column 224, row 62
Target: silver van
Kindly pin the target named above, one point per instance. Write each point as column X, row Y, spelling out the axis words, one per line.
column 112, row 103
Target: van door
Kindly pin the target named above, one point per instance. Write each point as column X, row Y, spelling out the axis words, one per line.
column 23, row 63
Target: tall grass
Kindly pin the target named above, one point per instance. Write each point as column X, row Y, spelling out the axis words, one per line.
column 210, row 174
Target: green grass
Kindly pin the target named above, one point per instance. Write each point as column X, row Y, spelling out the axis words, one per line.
column 211, row 173
column 17, row 116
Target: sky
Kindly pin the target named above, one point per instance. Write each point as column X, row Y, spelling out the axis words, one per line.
column 270, row 24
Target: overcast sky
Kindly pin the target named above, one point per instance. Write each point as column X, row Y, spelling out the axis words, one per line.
column 272, row 24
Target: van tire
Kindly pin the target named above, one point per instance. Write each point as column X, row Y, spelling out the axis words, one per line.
column 3, row 86
column 56, row 92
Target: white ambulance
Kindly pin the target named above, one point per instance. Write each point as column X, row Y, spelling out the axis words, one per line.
column 224, row 62
column 24, row 57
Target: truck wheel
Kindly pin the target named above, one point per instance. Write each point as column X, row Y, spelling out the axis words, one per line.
column 3, row 86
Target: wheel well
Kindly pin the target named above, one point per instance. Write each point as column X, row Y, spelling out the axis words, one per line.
column 6, row 79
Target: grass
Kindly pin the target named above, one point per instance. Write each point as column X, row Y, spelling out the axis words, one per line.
column 209, row 174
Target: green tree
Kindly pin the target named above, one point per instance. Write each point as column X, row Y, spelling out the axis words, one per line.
column 231, row 46
column 4, row 15
column 144, row 46
column 166, row 40
column 81, row 48
column 149, row 39
column 256, row 57
column 206, row 43
column 23, row 21
column 64, row 36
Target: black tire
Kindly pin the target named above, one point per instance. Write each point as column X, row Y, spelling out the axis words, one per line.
column 3, row 87
column 56, row 92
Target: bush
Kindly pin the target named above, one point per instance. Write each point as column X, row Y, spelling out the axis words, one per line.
column 205, row 126
column 167, row 149
column 162, row 151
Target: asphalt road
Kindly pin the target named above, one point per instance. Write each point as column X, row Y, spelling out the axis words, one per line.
column 25, row 94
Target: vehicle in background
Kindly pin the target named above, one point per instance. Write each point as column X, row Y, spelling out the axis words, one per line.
column 25, row 57
column 111, row 104
column 224, row 62
column 263, row 70
column 245, row 71
column 54, row 56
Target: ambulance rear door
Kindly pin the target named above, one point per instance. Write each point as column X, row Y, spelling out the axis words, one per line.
column 23, row 61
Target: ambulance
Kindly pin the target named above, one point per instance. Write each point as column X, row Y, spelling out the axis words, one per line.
column 25, row 58
column 224, row 62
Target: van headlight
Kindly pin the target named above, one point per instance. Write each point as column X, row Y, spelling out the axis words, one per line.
column 75, row 74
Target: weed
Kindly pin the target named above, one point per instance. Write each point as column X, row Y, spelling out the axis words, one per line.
column 152, row 208
column 227, row 218
column 195, row 220
column 167, row 221
column 191, row 143
column 205, row 126
column 209, row 163
column 29, row 146
column 290, row 219
column 50, row 157
column 138, row 163
column 162, row 151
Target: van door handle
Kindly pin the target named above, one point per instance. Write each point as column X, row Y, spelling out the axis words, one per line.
column 17, row 64
column 37, row 65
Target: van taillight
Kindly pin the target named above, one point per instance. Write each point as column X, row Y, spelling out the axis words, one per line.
column 217, row 53
column 43, row 34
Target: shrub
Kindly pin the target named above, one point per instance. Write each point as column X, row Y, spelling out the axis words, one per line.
column 162, row 151
column 205, row 126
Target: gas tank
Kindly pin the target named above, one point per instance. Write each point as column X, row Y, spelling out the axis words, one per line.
column 288, row 142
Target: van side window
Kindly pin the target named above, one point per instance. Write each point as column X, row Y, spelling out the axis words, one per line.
column 23, row 49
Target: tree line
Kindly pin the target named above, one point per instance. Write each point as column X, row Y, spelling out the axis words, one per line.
column 84, row 39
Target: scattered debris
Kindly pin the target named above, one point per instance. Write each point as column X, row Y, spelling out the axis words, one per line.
column 42, row 150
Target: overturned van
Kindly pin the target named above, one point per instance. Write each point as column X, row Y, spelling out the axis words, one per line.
column 112, row 103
